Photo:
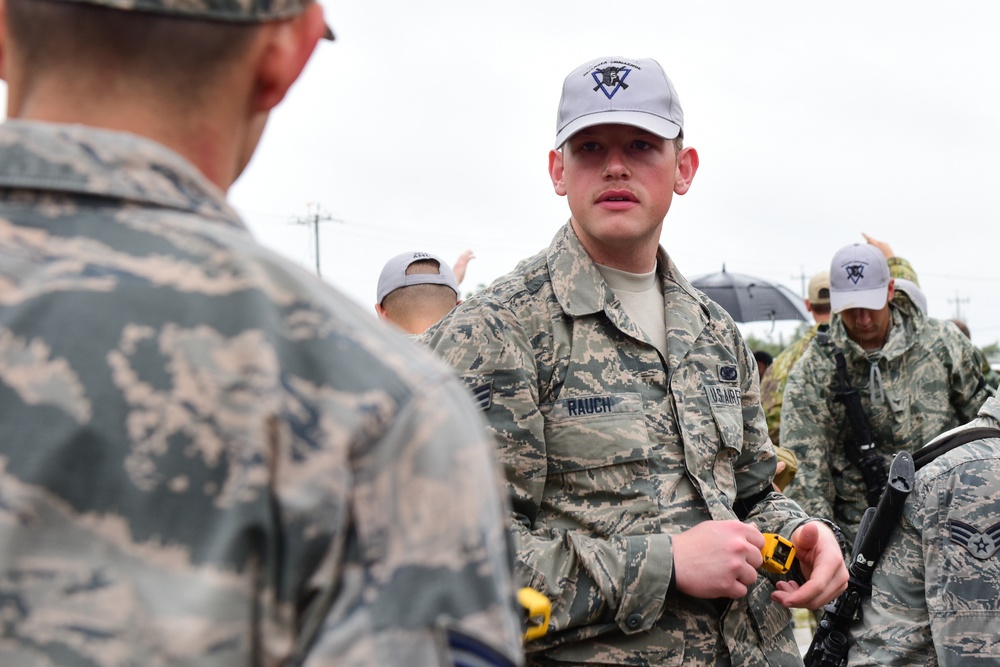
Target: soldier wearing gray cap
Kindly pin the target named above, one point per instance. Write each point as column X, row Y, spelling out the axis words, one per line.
column 207, row 455
column 415, row 290
column 915, row 377
column 626, row 411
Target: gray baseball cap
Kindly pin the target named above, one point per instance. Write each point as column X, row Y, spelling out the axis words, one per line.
column 622, row 91
column 394, row 274
column 859, row 278
column 235, row 11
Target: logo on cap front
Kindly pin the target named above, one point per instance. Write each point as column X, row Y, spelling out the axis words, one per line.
column 610, row 79
column 855, row 272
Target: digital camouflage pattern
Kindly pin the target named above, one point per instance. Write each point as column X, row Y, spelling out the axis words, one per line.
column 216, row 10
column 610, row 449
column 936, row 590
column 772, row 385
column 208, row 456
column 931, row 382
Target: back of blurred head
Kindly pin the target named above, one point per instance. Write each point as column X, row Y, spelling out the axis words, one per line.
column 198, row 77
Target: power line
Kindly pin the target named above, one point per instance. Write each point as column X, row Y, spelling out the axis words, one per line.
column 314, row 218
column 958, row 305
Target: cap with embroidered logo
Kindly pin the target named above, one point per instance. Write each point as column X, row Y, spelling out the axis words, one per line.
column 622, row 91
column 394, row 275
column 235, row 11
column 859, row 278
column 819, row 288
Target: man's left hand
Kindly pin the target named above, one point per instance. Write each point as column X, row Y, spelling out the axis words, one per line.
column 822, row 563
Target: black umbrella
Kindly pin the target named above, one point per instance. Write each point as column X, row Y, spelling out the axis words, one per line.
column 750, row 299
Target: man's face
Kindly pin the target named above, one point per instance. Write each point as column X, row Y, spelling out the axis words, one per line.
column 868, row 328
column 619, row 181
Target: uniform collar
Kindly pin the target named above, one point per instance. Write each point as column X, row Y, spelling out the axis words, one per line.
column 82, row 160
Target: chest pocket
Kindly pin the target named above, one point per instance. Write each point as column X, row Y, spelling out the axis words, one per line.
column 725, row 403
column 598, row 479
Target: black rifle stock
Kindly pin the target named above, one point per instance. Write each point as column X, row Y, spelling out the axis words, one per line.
column 831, row 642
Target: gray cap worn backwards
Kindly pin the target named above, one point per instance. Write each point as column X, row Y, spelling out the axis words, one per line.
column 394, row 274
column 621, row 91
column 236, row 11
column 859, row 278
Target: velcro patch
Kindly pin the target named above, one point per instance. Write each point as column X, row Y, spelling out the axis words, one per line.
column 718, row 395
column 585, row 406
column 728, row 373
column 980, row 543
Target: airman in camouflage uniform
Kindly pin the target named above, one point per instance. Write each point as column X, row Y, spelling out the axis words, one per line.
column 936, row 590
column 920, row 381
column 638, row 463
column 208, row 456
column 772, row 385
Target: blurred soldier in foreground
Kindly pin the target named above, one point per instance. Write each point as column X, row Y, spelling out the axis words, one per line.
column 625, row 407
column 207, row 456
column 936, row 590
column 885, row 378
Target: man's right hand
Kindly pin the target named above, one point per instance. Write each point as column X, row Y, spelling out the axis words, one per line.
column 717, row 559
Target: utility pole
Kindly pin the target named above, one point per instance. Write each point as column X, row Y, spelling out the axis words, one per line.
column 958, row 308
column 314, row 218
column 802, row 278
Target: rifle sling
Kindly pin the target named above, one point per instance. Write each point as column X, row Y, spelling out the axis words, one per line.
column 936, row 448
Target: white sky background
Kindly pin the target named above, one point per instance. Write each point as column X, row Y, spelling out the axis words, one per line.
column 426, row 126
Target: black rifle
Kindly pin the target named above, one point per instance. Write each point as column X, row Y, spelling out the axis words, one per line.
column 830, row 644
column 861, row 452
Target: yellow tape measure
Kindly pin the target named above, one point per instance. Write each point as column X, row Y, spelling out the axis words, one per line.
column 537, row 610
column 779, row 554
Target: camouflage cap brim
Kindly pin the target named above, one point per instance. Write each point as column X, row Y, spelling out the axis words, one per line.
column 237, row 11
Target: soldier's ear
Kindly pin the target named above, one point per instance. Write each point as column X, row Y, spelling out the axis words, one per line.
column 287, row 46
column 687, row 166
column 555, row 172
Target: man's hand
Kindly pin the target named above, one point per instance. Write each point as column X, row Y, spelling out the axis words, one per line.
column 717, row 559
column 822, row 564
column 458, row 268
column 881, row 245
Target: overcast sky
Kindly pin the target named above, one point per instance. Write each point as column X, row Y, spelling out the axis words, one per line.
column 426, row 126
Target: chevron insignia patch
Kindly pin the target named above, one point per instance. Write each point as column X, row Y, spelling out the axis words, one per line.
column 980, row 543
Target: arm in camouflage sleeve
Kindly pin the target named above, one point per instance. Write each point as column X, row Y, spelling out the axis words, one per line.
column 819, row 549
column 969, row 389
column 411, row 547
column 590, row 580
column 895, row 629
column 808, row 429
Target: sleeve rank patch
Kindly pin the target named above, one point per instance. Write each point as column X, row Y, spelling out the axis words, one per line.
column 483, row 395
column 981, row 544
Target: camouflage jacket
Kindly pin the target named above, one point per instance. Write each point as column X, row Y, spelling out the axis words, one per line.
column 772, row 385
column 924, row 381
column 610, row 448
column 936, row 590
column 207, row 455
